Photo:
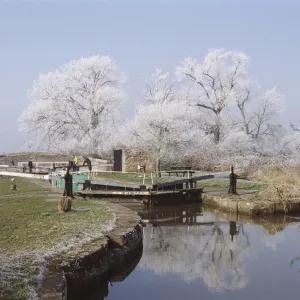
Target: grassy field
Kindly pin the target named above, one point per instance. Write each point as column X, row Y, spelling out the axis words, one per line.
column 224, row 183
column 138, row 177
column 133, row 177
column 32, row 224
column 33, row 230
column 24, row 186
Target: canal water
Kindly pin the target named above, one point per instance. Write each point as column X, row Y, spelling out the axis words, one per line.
column 194, row 253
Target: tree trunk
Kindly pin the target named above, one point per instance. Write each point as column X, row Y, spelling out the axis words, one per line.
column 217, row 128
column 245, row 123
column 157, row 166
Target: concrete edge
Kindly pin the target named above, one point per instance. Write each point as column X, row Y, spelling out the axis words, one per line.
column 102, row 257
column 252, row 208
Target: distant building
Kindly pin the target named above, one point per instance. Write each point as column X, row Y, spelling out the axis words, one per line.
column 126, row 160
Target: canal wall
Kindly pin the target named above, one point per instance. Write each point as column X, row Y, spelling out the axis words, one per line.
column 76, row 274
column 249, row 206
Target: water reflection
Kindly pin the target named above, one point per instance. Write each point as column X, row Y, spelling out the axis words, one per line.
column 199, row 246
column 209, row 245
column 192, row 253
column 98, row 289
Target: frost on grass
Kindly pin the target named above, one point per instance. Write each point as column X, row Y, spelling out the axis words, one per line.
column 21, row 274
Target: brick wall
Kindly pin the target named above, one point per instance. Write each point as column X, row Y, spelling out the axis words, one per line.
column 133, row 159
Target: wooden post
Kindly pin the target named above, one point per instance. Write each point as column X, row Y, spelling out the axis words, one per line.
column 232, row 182
column 30, row 166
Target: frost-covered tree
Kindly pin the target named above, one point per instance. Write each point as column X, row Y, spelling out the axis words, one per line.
column 215, row 82
column 159, row 129
column 159, row 88
column 259, row 113
column 221, row 86
column 76, row 106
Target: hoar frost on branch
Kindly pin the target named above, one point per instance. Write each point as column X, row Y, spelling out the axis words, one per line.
column 215, row 114
column 76, row 106
column 262, row 118
column 216, row 81
column 159, row 88
column 159, row 130
column 221, row 86
column 162, row 127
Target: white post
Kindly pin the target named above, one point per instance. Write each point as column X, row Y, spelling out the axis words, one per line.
column 152, row 178
column 144, row 178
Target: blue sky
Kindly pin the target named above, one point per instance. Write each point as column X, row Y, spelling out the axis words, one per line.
column 39, row 36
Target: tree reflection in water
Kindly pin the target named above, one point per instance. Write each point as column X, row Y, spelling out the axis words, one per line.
column 214, row 253
column 208, row 248
column 296, row 259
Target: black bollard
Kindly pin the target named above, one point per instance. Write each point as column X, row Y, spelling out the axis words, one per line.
column 68, row 192
column 232, row 182
column 30, row 166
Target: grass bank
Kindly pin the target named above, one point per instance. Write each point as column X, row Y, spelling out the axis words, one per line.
column 24, row 186
column 224, row 184
column 275, row 190
column 32, row 231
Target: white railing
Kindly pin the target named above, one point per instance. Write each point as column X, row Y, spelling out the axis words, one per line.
column 44, row 163
column 15, row 174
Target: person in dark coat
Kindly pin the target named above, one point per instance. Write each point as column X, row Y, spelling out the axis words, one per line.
column 87, row 162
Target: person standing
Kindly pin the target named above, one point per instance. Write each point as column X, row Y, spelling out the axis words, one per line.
column 76, row 163
column 88, row 162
